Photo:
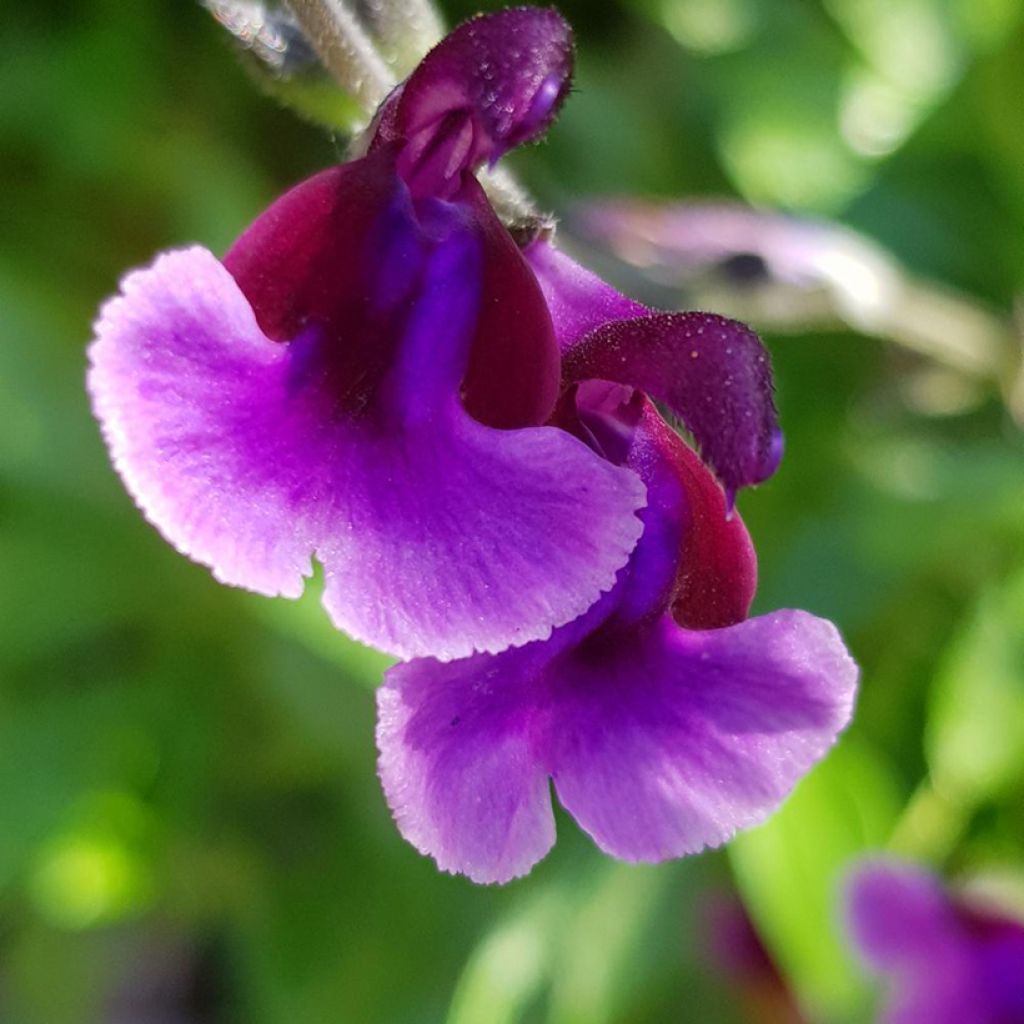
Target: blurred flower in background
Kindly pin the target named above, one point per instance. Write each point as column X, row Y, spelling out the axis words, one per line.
column 736, row 952
column 946, row 958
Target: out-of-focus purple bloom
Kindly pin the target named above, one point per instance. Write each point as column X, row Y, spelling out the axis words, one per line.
column 948, row 961
column 675, row 240
column 366, row 378
column 801, row 274
column 664, row 721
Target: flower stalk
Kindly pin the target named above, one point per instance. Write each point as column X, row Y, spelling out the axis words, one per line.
column 346, row 50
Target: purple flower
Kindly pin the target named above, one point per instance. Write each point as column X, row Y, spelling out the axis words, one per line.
column 366, row 379
column 664, row 721
column 464, row 435
column 948, row 961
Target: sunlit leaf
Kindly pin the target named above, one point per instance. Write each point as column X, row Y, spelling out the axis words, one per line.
column 975, row 733
column 789, row 871
column 511, row 964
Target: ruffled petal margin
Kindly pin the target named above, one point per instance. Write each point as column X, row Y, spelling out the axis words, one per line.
column 443, row 537
column 459, row 764
column 659, row 744
column 675, row 742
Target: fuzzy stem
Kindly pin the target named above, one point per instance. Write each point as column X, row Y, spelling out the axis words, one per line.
column 345, row 49
column 404, row 30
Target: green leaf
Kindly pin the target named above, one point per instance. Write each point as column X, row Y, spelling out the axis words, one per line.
column 579, row 940
column 975, row 732
column 511, row 964
column 790, row 870
column 601, row 943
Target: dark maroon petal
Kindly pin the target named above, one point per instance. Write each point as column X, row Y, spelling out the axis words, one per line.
column 514, row 366
column 494, row 83
column 693, row 558
column 700, row 560
column 717, row 576
column 340, row 252
column 713, row 373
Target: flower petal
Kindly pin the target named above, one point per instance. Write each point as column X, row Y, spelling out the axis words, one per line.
column 458, row 766
column 315, row 254
column 673, row 742
column 1000, row 967
column 514, row 370
column 713, row 373
column 660, row 741
column 438, row 535
column 340, row 249
column 495, row 82
column 579, row 301
column 717, row 576
column 692, row 555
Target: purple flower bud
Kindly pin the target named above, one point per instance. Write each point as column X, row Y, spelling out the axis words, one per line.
column 495, row 83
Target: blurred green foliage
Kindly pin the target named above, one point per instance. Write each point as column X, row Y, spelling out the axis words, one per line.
column 192, row 828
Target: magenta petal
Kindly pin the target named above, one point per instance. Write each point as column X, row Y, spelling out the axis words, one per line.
column 579, row 301
column 458, row 766
column 514, row 368
column 673, row 742
column 493, row 83
column 438, row 535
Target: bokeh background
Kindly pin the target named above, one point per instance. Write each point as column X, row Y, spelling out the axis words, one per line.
column 190, row 825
